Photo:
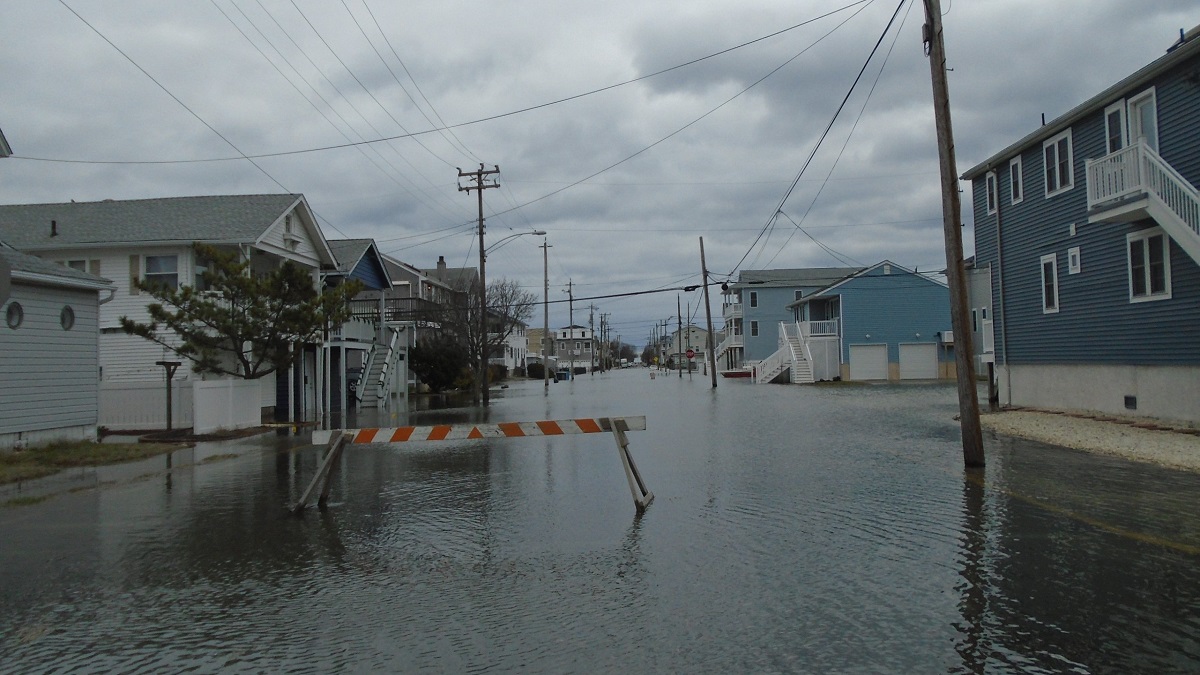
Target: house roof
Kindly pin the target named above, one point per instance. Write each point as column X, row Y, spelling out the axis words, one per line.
column 829, row 290
column 214, row 219
column 1136, row 81
column 791, row 278
column 33, row 269
column 457, row 277
column 5, row 148
column 396, row 268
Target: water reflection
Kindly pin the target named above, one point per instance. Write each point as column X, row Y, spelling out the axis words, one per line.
column 795, row 529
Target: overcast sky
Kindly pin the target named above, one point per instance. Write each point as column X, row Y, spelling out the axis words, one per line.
column 624, row 180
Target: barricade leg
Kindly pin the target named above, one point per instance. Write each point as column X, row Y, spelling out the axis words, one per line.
column 637, row 487
column 337, row 443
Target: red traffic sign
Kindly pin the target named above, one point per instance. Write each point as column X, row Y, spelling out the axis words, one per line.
column 691, row 353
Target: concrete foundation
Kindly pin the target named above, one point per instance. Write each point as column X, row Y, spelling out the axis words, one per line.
column 1169, row 393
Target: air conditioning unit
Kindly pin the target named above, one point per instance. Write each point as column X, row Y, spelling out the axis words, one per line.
column 947, row 337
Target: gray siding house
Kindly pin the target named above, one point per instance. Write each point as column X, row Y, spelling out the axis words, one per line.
column 1088, row 232
column 49, row 351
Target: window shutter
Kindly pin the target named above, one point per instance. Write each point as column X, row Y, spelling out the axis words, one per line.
column 135, row 273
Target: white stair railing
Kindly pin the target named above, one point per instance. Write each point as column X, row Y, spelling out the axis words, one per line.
column 364, row 374
column 384, row 383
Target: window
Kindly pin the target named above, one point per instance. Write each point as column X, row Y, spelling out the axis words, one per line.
column 1143, row 118
column 798, row 294
column 1149, row 266
column 991, row 192
column 753, row 329
column 1115, row 132
column 1015, row 178
column 67, row 317
column 1049, row 284
column 754, row 298
column 89, row 266
column 1073, row 260
column 974, row 321
column 14, row 315
column 1060, row 174
column 162, row 269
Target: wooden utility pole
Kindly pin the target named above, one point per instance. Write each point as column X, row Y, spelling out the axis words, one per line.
column 479, row 185
column 968, row 396
column 545, row 317
column 712, row 357
column 679, row 335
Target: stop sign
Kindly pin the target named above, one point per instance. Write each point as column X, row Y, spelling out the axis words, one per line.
column 691, row 353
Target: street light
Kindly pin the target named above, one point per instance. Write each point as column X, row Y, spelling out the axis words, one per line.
column 483, row 332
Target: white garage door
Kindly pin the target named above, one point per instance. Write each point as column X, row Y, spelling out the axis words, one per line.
column 868, row 362
column 918, row 361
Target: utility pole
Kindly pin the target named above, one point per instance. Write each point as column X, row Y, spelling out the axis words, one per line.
column 968, row 397
column 571, row 323
column 477, row 177
column 712, row 357
column 545, row 317
column 679, row 335
column 592, row 339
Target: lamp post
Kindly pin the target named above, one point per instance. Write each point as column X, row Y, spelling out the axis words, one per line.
column 483, row 332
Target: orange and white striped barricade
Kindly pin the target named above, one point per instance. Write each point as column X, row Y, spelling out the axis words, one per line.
column 337, row 439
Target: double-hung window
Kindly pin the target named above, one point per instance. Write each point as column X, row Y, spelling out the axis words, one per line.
column 753, row 329
column 1060, row 172
column 754, row 298
column 1015, row 178
column 991, row 192
column 1149, row 265
column 161, row 269
column 1049, row 283
column 1115, row 132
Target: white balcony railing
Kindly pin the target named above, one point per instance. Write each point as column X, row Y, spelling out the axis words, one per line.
column 1137, row 169
column 821, row 328
column 732, row 310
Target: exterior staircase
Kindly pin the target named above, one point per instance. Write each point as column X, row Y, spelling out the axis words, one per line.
column 373, row 390
column 1134, row 183
column 792, row 356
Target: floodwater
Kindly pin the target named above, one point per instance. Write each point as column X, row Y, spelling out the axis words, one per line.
column 794, row 529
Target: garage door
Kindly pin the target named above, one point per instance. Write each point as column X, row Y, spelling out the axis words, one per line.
column 918, row 361
column 868, row 362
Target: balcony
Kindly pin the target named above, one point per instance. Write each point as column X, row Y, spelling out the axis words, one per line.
column 732, row 310
column 1134, row 183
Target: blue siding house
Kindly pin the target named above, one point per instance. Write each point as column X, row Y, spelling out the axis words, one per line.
column 885, row 322
column 1088, row 231
column 757, row 303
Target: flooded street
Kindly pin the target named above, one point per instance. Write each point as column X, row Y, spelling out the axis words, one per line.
column 794, row 529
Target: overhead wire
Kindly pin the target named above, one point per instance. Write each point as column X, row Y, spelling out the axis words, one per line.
column 836, row 159
column 820, row 140
column 384, row 139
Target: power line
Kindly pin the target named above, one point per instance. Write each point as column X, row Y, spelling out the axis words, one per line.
column 384, row 139
column 821, row 139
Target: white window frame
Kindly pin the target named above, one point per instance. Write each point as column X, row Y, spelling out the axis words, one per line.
column 1016, row 178
column 753, row 328
column 991, row 191
column 1119, row 109
column 1073, row 263
column 1134, row 118
column 1052, row 259
column 754, row 298
column 1143, row 236
column 147, row 275
column 1055, row 143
